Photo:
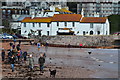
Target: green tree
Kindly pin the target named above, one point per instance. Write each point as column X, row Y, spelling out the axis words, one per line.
column 114, row 21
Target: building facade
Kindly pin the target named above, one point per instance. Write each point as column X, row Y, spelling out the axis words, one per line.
column 102, row 8
column 65, row 24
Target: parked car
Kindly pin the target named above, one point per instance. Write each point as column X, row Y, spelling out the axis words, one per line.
column 117, row 33
column 14, row 36
column 6, row 36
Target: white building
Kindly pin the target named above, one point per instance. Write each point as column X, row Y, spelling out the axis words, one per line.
column 38, row 25
column 64, row 24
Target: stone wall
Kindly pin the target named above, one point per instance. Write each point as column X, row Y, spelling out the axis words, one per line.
column 76, row 40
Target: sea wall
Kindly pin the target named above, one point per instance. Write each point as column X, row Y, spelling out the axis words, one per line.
column 76, row 40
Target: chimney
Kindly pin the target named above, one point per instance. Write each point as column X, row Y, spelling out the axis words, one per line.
column 32, row 15
column 82, row 12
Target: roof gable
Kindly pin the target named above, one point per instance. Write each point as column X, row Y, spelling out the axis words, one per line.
column 66, row 17
column 93, row 20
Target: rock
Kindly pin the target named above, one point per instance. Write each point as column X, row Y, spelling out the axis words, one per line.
column 82, row 67
column 59, row 67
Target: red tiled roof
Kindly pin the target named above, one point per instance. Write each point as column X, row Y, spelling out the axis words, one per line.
column 37, row 19
column 66, row 17
column 93, row 20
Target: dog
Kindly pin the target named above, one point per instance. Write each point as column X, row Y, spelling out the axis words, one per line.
column 52, row 73
column 89, row 52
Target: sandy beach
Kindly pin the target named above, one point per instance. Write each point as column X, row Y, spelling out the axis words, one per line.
column 69, row 63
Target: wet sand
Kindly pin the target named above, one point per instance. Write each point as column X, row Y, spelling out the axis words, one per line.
column 73, row 63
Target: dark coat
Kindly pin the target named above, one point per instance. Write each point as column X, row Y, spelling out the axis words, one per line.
column 41, row 60
column 25, row 54
column 3, row 53
column 11, row 44
column 12, row 60
column 10, row 54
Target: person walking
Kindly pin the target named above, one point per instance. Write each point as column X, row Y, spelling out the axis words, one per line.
column 14, row 40
column 19, row 42
column 30, row 42
column 46, row 46
column 44, row 55
column 25, row 55
column 12, row 62
column 9, row 55
column 69, row 47
column 3, row 55
column 18, row 47
column 31, row 62
column 18, row 56
column 41, row 62
column 81, row 45
column 38, row 46
column 11, row 44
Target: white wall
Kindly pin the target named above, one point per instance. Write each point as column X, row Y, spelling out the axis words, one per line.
column 54, row 28
column 29, row 26
column 62, row 24
column 78, row 28
column 45, row 28
column 15, row 25
column 96, row 27
column 108, row 27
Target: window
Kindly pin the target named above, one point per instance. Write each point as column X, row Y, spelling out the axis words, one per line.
column 9, row 11
column 98, row 32
column 19, row 11
column 48, row 25
column 91, row 32
column 15, row 11
column 39, row 24
column 4, row 11
column 26, row 12
column 73, row 24
column 24, row 24
column 25, row 31
column 57, row 23
column 39, row 33
column 106, row 32
column 48, row 33
column 91, row 25
column 33, row 24
column 83, row 32
column 65, row 23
